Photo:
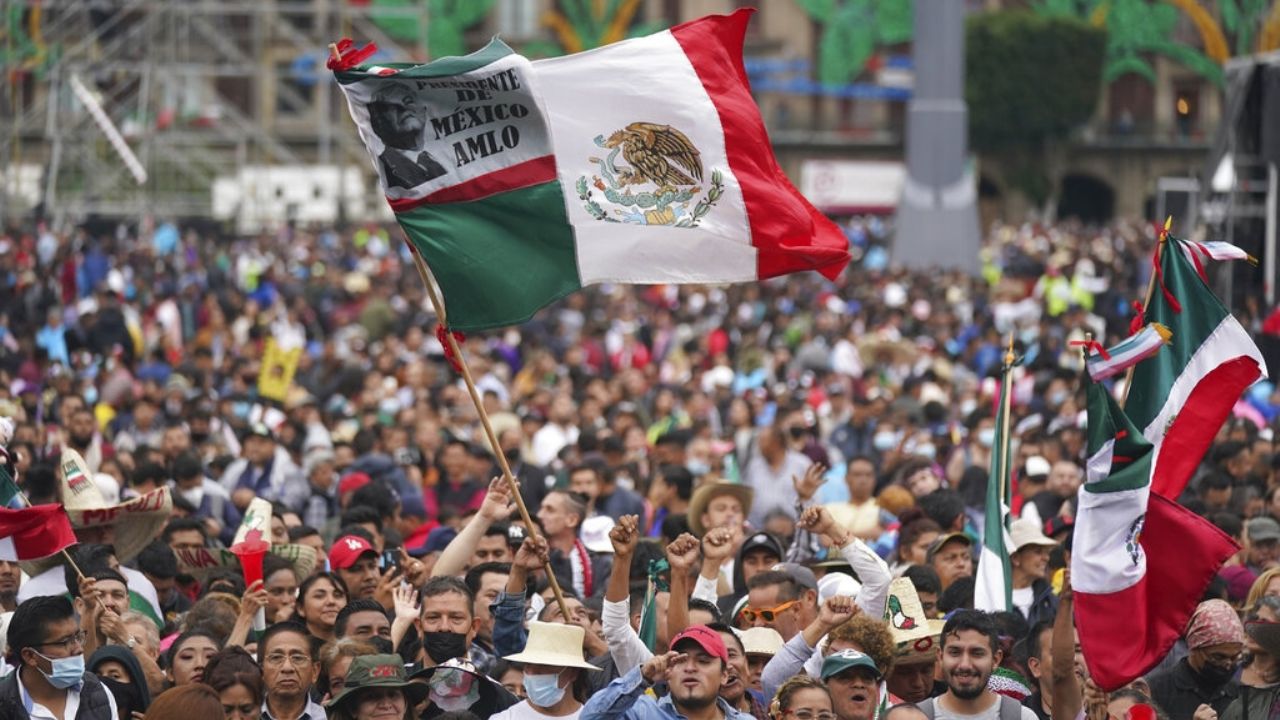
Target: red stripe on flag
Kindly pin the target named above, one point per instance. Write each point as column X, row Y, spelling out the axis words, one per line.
column 521, row 175
column 788, row 232
column 1124, row 634
column 38, row 531
column 1198, row 421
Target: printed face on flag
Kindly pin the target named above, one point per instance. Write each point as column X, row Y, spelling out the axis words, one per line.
column 425, row 132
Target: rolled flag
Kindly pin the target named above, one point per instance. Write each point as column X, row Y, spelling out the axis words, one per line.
column 1218, row 250
column 649, row 615
column 1128, row 352
column 34, row 532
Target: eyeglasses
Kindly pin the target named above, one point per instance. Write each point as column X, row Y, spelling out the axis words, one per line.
column 297, row 659
column 67, row 644
column 767, row 614
column 807, row 714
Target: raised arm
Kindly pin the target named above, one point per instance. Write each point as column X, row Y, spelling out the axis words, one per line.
column 625, row 646
column 717, row 547
column 797, row 651
column 872, row 572
column 1067, row 694
column 683, row 555
column 496, row 506
column 508, row 611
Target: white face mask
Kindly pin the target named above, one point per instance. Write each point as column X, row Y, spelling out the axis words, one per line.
column 193, row 495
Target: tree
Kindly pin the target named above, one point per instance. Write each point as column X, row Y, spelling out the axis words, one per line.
column 851, row 31
column 1031, row 81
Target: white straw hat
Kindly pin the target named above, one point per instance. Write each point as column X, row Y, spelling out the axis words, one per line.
column 555, row 645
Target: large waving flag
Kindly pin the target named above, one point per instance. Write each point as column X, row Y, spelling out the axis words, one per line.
column 993, row 591
column 645, row 161
column 34, row 532
column 1139, row 562
column 1181, row 396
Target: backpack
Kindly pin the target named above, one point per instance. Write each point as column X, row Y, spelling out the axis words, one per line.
column 1010, row 709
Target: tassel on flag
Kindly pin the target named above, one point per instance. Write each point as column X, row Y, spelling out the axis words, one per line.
column 1107, row 363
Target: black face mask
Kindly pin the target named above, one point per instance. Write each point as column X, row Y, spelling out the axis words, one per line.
column 442, row 646
column 1216, row 675
column 513, row 456
column 382, row 644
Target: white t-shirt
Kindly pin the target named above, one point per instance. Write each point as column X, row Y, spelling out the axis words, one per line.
column 524, row 711
column 1022, row 599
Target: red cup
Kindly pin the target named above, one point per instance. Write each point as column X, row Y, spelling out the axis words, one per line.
column 251, row 554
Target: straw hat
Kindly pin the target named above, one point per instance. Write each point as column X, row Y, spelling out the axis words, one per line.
column 555, row 645
column 707, row 492
column 137, row 522
column 1025, row 532
column 762, row 641
column 915, row 635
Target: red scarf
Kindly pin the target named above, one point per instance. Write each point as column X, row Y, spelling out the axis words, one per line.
column 587, row 585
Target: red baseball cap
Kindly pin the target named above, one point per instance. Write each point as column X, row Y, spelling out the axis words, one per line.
column 352, row 482
column 706, row 638
column 347, row 550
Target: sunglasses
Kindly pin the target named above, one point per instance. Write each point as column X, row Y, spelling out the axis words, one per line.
column 767, row 614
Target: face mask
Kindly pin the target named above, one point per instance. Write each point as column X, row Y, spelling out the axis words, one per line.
column 442, row 646
column 67, row 671
column 513, row 456
column 543, row 690
column 1057, row 397
column 1216, row 675
column 884, row 441
column 697, row 468
column 986, row 437
column 453, row 689
column 383, row 645
column 968, row 406
column 91, row 396
column 927, row 450
column 192, row 495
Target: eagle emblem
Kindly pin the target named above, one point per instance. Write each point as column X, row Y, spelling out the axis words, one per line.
column 1131, row 541
column 657, row 182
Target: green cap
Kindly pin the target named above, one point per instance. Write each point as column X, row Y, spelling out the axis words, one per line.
column 378, row 671
column 837, row 663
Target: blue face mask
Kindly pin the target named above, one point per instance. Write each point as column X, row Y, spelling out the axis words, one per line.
column 697, row 468
column 543, row 690
column 67, row 671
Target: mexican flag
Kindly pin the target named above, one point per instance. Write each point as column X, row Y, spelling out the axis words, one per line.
column 993, row 589
column 1139, row 562
column 1181, row 396
column 34, row 532
column 645, row 161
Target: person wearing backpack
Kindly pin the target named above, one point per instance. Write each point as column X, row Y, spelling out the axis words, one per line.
column 969, row 655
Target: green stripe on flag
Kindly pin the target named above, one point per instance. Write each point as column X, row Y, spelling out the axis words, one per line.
column 8, row 488
column 1129, row 466
column 444, row 67
column 499, row 259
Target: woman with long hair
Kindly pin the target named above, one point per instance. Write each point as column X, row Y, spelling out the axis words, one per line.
column 335, row 660
column 237, row 679
column 320, row 598
column 189, row 655
column 915, row 535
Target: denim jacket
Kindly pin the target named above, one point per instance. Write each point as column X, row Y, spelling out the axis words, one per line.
column 626, row 698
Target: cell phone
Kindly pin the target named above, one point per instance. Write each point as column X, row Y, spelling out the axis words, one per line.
column 390, row 559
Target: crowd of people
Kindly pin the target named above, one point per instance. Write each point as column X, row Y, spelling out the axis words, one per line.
column 763, row 500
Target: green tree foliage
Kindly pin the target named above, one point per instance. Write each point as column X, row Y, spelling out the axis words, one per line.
column 1031, row 80
column 851, row 31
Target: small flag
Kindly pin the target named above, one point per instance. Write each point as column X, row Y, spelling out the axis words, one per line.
column 8, row 488
column 993, row 591
column 34, row 532
column 1128, row 352
column 649, row 615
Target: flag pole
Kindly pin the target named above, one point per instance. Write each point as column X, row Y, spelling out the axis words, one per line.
column 455, row 351
column 1006, row 386
column 1161, row 239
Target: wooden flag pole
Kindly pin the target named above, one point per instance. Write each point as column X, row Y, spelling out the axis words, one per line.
column 27, row 501
column 456, row 351
column 1146, row 301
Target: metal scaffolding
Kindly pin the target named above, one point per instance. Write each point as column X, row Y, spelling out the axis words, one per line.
column 199, row 90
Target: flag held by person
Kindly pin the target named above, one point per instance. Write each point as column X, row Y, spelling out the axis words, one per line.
column 34, row 532
column 1109, row 362
column 993, row 591
column 645, row 161
column 1139, row 561
column 1180, row 397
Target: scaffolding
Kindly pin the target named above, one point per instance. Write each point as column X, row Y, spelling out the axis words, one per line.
column 200, row 90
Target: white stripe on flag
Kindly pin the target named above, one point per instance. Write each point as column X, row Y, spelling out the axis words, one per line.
column 989, row 590
column 1098, row 467
column 1105, row 554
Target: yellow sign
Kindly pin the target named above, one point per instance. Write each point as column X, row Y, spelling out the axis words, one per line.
column 278, row 367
